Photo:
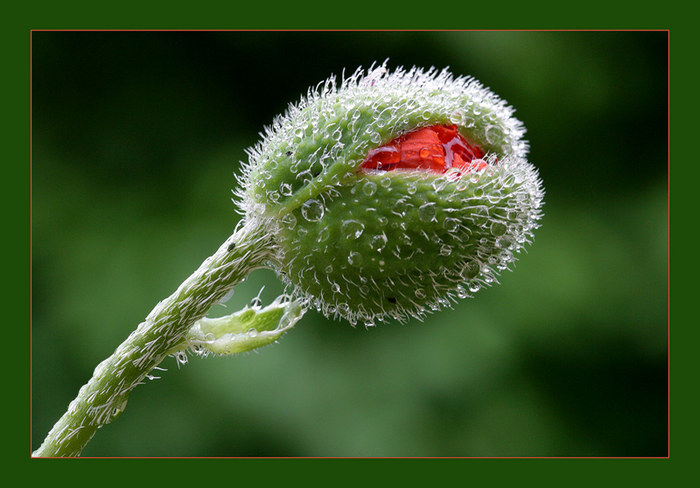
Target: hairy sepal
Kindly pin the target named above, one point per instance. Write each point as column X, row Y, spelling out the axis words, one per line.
column 396, row 245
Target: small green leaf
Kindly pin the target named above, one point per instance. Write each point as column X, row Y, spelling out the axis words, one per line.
column 242, row 331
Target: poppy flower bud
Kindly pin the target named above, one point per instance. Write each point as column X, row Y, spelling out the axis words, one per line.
column 389, row 195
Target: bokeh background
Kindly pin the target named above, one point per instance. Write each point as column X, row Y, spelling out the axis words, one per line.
column 136, row 137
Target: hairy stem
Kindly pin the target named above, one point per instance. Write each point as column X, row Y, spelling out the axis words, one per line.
column 104, row 397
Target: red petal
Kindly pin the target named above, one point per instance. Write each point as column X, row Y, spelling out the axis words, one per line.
column 435, row 149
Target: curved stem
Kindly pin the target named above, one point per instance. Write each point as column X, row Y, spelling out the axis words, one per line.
column 104, row 397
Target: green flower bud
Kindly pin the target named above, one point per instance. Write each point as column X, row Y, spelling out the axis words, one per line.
column 370, row 244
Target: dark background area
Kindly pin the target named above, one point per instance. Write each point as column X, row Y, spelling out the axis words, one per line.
column 136, row 136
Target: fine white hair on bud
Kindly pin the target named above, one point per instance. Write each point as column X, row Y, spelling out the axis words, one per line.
column 388, row 195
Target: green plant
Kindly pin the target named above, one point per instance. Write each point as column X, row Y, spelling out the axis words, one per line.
column 384, row 197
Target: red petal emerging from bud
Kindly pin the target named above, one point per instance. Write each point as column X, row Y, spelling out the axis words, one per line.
column 435, row 149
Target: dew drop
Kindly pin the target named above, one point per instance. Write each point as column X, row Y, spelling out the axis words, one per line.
column 427, row 212
column 369, row 188
column 352, row 229
column 471, row 269
column 461, row 292
column 312, row 210
column 494, row 134
column 378, row 242
column 504, row 242
column 439, row 184
column 480, row 215
column 399, row 207
column 451, row 224
column 498, row 228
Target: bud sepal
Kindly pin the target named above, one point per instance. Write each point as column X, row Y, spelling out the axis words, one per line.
column 391, row 195
column 247, row 329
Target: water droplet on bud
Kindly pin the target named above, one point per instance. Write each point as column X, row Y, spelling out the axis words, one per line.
column 312, row 210
column 494, row 134
column 461, row 292
column 471, row 269
column 378, row 242
column 427, row 212
column 451, row 224
column 498, row 228
column 352, row 229
column 369, row 188
column 399, row 207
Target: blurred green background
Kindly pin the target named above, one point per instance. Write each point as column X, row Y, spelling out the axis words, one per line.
column 136, row 136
